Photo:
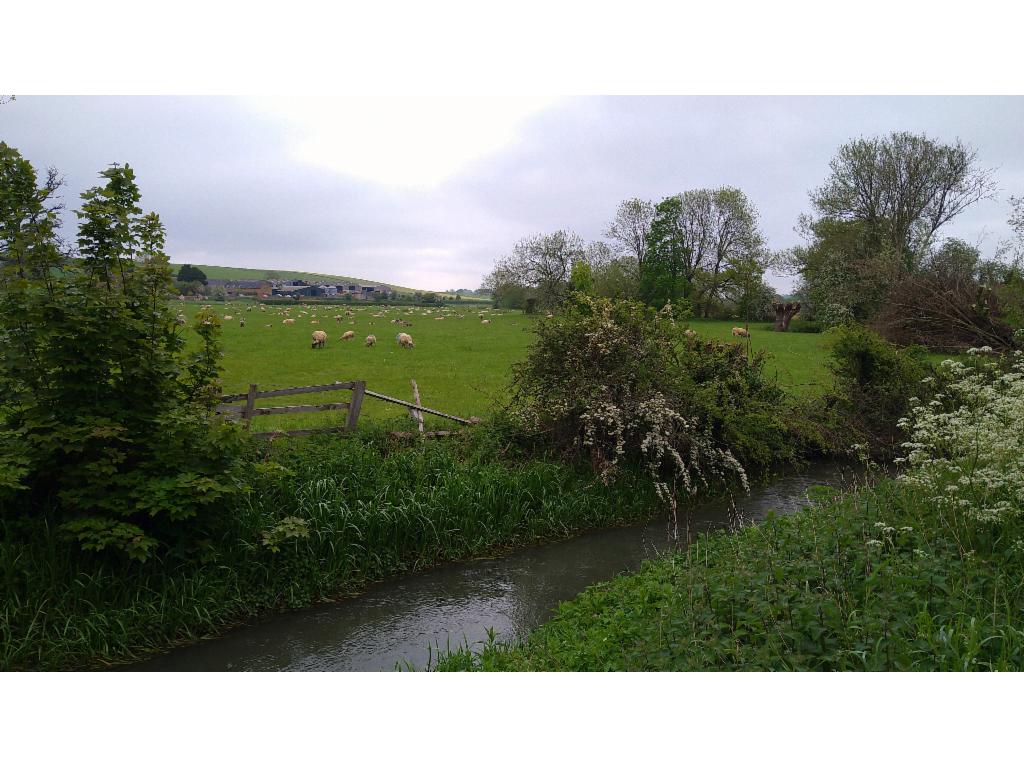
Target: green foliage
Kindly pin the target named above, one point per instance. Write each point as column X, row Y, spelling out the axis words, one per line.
column 189, row 274
column 95, row 534
column 102, row 418
column 874, row 580
column 290, row 527
column 621, row 384
column 666, row 271
column 582, row 277
column 874, row 381
column 799, row 325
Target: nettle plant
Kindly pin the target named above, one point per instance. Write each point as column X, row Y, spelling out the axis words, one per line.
column 620, row 384
column 966, row 445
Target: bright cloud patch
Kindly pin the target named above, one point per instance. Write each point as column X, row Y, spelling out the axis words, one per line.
column 396, row 139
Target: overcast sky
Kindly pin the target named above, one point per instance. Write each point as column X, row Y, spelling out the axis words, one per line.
column 426, row 192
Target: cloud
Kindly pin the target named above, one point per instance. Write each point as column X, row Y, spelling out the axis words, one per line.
column 427, row 191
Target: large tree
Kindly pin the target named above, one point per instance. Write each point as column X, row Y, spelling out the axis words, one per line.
column 699, row 245
column 630, row 229
column 539, row 267
column 907, row 186
column 104, row 416
column 190, row 274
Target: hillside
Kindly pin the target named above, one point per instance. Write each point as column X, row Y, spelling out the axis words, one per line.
column 244, row 273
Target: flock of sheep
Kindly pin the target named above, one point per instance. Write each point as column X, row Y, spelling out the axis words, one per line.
column 319, row 339
column 404, row 340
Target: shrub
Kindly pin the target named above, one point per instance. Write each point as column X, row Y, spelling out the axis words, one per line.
column 104, row 422
column 618, row 383
column 799, row 325
column 874, row 381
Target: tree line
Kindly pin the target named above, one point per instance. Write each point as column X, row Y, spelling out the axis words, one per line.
column 702, row 249
column 873, row 251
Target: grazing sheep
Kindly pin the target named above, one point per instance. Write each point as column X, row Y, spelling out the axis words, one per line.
column 229, row 317
column 241, row 323
column 288, row 321
column 404, row 340
column 269, row 325
column 337, row 318
column 348, row 335
column 181, row 320
column 319, row 339
column 485, row 322
column 314, row 322
column 741, row 332
column 371, row 340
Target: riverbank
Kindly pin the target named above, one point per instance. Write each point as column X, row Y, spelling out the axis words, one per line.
column 881, row 578
column 322, row 518
column 401, row 623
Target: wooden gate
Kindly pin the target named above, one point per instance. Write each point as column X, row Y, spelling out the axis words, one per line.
column 248, row 411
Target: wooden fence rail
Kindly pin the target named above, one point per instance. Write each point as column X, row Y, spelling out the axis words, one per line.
column 249, row 410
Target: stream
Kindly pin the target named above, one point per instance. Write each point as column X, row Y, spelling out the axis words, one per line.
column 404, row 621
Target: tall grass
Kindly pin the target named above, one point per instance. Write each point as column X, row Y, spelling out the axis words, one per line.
column 323, row 518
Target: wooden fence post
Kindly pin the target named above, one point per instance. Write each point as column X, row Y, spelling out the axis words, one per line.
column 358, row 390
column 250, row 405
column 416, row 415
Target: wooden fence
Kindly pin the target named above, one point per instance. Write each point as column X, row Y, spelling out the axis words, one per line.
column 359, row 391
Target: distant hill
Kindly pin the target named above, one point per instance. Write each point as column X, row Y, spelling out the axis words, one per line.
column 244, row 273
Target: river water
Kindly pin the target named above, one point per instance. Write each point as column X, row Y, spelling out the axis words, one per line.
column 403, row 622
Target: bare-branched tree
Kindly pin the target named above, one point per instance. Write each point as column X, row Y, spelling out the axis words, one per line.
column 905, row 184
column 630, row 229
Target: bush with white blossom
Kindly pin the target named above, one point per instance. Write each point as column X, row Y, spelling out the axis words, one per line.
column 620, row 384
column 966, row 446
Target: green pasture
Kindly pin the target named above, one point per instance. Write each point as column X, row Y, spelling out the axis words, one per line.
column 462, row 366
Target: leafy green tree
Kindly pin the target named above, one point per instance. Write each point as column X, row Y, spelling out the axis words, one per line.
column 903, row 186
column 539, row 266
column 699, row 242
column 106, row 429
column 189, row 274
column 582, row 277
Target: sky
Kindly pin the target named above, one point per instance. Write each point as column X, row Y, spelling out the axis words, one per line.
column 427, row 191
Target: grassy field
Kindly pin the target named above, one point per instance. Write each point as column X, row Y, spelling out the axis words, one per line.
column 461, row 366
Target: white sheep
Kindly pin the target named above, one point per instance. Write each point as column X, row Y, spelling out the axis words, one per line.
column 404, row 340
column 741, row 332
column 371, row 340
column 485, row 322
column 319, row 339
column 288, row 321
column 348, row 335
